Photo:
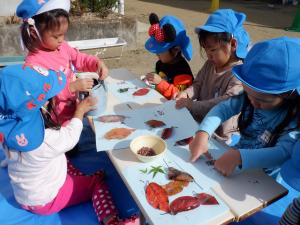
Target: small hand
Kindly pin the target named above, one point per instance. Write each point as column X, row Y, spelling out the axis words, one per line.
column 227, row 163
column 180, row 95
column 184, row 102
column 153, row 78
column 85, row 106
column 84, row 84
column 102, row 70
column 199, row 145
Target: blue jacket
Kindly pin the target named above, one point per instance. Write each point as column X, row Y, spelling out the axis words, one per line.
column 252, row 148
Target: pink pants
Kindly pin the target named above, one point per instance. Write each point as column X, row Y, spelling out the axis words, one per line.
column 77, row 189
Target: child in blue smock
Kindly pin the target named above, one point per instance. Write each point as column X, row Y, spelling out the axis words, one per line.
column 290, row 172
column 268, row 108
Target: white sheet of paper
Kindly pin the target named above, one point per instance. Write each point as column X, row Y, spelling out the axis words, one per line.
column 133, row 86
column 204, row 214
column 185, row 127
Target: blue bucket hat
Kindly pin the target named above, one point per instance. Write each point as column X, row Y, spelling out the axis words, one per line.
column 227, row 20
column 23, row 91
column 290, row 170
column 28, row 8
column 271, row 66
column 180, row 39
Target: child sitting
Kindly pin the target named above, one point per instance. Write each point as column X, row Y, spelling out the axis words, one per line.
column 43, row 181
column 269, row 109
column 168, row 40
column 43, row 30
column 225, row 42
column 290, row 172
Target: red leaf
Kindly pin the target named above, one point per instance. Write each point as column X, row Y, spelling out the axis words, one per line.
column 157, row 197
column 185, row 141
column 184, row 203
column 207, row 199
column 141, row 92
column 155, row 123
column 167, row 132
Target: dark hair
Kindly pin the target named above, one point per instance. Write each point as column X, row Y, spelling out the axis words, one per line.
column 49, row 123
column 220, row 37
column 49, row 20
column 291, row 103
column 178, row 56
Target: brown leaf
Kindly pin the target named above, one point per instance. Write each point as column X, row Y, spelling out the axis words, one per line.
column 155, row 123
column 118, row 133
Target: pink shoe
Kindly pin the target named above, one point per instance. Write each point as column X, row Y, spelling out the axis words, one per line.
column 133, row 220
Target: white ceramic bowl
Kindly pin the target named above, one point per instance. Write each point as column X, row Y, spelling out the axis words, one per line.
column 150, row 141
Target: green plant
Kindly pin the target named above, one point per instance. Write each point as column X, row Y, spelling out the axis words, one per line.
column 100, row 7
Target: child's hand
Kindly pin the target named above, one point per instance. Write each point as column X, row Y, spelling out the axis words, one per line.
column 84, row 84
column 227, row 163
column 184, row 102
column 180, row 95
column 84, row 106
column 102, row 70
column 153, row 78
column 199, row 145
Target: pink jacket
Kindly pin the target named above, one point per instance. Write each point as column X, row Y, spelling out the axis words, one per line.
column 64, row 59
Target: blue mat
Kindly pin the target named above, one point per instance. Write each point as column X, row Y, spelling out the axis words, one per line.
column 88, row 160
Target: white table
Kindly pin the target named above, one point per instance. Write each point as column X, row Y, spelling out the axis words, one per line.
column 245, row 193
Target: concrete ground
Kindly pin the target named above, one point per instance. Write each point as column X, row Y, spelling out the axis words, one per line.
column 262, row 23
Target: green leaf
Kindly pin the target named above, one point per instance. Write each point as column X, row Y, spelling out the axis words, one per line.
column 155, row 170
column 144, row 170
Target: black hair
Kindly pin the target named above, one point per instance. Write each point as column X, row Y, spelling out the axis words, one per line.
column 49, row 20
column 48, row 121
column 220, row 37
column 291, row 102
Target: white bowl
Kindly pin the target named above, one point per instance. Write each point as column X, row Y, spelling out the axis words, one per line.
column 150, row 141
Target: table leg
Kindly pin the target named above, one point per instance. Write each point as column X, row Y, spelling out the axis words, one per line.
column 142, row 219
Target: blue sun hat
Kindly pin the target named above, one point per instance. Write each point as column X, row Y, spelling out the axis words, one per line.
column 271, row 66
column 28, row 8
column 167, row 33
column 23, row 91
column 290, row 170
column 227, row 20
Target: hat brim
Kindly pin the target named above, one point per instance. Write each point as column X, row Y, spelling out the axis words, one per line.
column 22, row 138
column 238, row 73
column 241, row 51
column 290, row 175
column 209, row 29
column 156, row 47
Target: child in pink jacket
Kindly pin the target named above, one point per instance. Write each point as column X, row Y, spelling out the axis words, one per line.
column 44, row 26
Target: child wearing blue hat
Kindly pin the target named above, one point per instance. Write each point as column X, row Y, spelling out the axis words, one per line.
column 268, row 109
column 290, row 172
column 45, row 23
column 225, row 42
column 43, row 181
column 169, row 41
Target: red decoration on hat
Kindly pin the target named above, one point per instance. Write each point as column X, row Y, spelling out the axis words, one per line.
column 30, row 105
column 153, row 29
column 41, row 2
column 41, row 97
column 47, row 87
column 159, row 35
column 1, row 137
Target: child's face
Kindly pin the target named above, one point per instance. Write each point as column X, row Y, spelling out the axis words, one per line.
column 262, row 100
column 52, row 39
column 166, row 57
column 219, row 54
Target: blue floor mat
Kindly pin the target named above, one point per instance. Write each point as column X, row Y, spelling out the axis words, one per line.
column 88, row 160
